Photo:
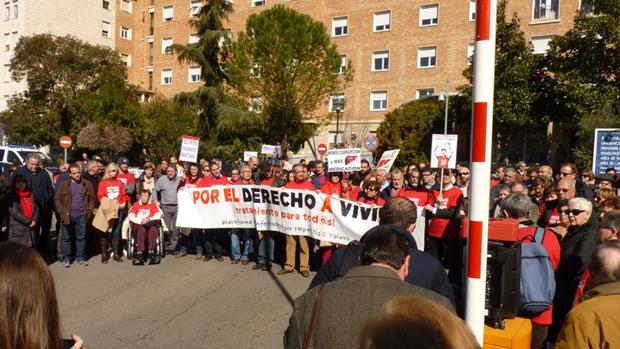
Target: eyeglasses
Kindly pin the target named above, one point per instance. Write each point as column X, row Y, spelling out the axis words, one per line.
column 463, row 174
column 206, row 170
column 371, row 189
column 112, row 170
column 564, row 190
column 574, row 212
column 562, row 174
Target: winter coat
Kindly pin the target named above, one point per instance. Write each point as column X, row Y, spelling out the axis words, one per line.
column 18, row 223
column 62, row 200
column 40, row 186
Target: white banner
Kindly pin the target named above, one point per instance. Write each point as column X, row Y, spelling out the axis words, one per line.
column 387, row 160
column 294, row 212
column 189, row 149
column 444, row 151
column 340, row 160
column 271, row 150
column 248, row 154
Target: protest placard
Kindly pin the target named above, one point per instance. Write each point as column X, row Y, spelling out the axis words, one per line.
column 248, row 154
column 340, row 160
column 271, row 150
column 387, row 160
column 189, row 149
column 606, row 150
column 443, row 151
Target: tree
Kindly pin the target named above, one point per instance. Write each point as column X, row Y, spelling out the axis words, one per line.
column 513, row 95
column 578, row 79
column 409, row 128
column 108, row 140
column 65, row 77
column 286, row 59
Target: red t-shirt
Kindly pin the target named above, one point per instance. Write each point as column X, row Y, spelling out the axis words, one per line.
column 268, row 182
column 113, row 189
column 126, row 178
column 420, row 196
column 210, row 181
column 444, row 227
column 191, row 182
column 331, row 188
column 376, row 201
column 554, row 217
column 552, row 245
column 355, row 193
column 303, row 185
column 144, row 211
column 442, row 161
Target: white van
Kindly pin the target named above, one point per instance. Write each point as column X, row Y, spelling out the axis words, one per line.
column 17, row 154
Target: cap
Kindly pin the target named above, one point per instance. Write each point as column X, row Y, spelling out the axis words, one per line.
column 122, row 160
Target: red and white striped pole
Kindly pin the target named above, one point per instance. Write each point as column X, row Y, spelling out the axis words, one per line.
column 482, row 126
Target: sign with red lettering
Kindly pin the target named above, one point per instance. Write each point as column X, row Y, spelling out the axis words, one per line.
column 443, row 152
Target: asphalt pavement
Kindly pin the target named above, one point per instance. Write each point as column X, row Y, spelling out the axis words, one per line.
column 180, row 303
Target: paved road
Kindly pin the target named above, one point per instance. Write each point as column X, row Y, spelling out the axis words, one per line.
column 181, row 303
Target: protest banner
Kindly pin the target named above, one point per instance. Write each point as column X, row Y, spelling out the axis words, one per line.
column 443, row 151
column 135, row 171
column 248, row 154
column 271, row 150
column 340, row 160
column 387, row 160
column 606, row 150
column 189, row 149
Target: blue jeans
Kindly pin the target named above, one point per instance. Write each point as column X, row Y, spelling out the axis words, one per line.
column 266, row 248
column 75, row 227
column 236, row 237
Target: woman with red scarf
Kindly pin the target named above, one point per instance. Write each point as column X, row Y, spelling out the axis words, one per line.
column 23, row 212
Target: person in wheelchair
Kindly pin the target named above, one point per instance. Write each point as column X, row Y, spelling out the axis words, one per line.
column 144, row 218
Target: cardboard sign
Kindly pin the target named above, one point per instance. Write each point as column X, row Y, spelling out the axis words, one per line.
column 340, row 160
column 271, row 150
column 443, row 151
column 248, row 154
column 189, row 149
column 387, row 160
column 606, row 150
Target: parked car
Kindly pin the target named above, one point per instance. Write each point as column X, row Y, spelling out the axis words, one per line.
column 17, row 154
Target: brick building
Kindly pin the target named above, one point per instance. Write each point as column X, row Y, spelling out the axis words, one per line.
column 400, row 50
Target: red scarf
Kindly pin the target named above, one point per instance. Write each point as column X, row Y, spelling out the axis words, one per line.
column 26, row 201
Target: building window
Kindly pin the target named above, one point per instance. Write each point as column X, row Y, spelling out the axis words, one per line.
column 427, row 57
column 105, row 29
column 472, row 10
column 126, row 59
column 429, row 15
column 106, row 5
column 340, row 26
column 378, row 100
column 343, row 64
column 336, row 100
column 258, row 3
column 126, row 33
column 587, row 6
column 166, row 46
column 15, row 9
column 193, row 74
column 7, row 11
column 127, row 6
column 381, row 21
column 540, row 44
column 256, row 104
column 166, row 76
column 424, row 92
column 470, row 52
column 6, row 73
column 194, row 38
column 194, row 8
column 168, row 13
column 380, row 61
column 226, row 38
column 7, row 42
column 546, row 10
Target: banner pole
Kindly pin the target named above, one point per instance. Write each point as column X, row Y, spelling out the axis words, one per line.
column 482, row 126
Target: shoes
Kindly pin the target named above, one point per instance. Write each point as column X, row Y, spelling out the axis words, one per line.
column 219, row 258
column 82, row 262
column 285, row 271
column 117, row 251
column 138, row 259
column 234, row 261
column 207, row 258
column 199, row 257
column 258, row 266
column 266, row 267
column 181, row 254
column 66, row 264
column 152, row 257
column 305, row 273
column 245, row 262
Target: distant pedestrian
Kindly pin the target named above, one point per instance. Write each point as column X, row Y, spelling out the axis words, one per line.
column 23, row 213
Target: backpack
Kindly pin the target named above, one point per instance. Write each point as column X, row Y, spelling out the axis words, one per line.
column 537, row 276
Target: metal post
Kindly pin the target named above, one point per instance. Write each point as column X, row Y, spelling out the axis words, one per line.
column 445, row 118
column 482, row 127
column 65, row 155
column 337, row 127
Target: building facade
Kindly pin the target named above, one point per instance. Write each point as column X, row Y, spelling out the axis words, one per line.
column 91, row 21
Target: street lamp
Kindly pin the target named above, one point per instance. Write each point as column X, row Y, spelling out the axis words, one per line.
column 445, row 96
column 337, row 106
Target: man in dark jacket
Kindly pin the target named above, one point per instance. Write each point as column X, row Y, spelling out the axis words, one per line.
column 332, row 315
column 74, row 202
column 42, row 191
column 577, row 247
column 424, row 270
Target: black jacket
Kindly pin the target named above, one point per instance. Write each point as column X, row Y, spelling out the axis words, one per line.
column 424, row 270
column 41, row 187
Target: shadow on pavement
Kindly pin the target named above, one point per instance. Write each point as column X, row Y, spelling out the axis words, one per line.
column 283, row 289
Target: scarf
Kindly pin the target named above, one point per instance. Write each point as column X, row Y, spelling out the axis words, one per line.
column 26, row 201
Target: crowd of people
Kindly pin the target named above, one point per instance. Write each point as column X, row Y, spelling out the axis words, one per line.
column 97, row 205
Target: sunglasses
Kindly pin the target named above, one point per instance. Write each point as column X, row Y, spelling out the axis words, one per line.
column 371, row 189
column 574, row 212
column 112, row 170
column 463, row 174
column 565, row 174
column 563, row 190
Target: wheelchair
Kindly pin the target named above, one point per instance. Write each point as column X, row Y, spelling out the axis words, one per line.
column 160, row 250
